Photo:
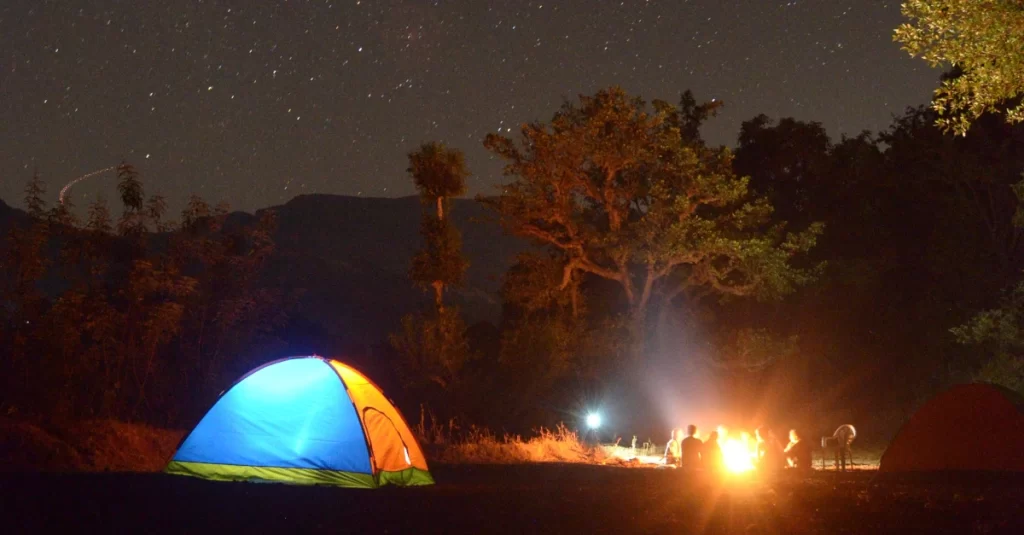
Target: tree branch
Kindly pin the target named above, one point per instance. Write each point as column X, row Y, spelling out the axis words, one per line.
column 547, row 237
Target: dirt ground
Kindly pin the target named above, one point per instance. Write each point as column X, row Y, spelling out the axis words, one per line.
column 538, row 498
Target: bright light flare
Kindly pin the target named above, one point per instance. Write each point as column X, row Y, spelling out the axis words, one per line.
column 737, row 456
column 593, row 420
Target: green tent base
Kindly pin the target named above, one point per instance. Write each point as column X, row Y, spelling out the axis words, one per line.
column 299, row 476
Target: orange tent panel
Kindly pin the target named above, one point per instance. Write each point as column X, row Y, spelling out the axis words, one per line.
column 392, row 442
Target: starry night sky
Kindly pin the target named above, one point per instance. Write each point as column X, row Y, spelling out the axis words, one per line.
column 257, row 102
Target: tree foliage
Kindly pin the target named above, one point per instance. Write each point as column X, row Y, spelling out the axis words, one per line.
column 439, row 174
column 630, row 211
column 753, row 350
column 921, row 235
column 788, row 163
column 999, row 333
column 133, row 218
column 433, row 346
column 105, row 323
column 440, row 263
column 230, row 306
column 619, row 193
column 984, row 41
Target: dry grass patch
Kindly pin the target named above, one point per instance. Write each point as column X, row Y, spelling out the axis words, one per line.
column 447, row 443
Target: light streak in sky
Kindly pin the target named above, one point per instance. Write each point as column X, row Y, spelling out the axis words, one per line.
column 64, row 190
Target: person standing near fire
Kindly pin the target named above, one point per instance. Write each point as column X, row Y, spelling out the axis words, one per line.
column 711, row 453
column 769, row 455
column 674, row 448
column 798, row 452
column 691, row 448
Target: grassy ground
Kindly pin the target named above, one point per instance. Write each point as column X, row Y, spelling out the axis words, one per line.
column 524, row 498
column 549, row 483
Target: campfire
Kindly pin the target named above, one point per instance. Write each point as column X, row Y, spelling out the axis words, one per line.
column 738, row 455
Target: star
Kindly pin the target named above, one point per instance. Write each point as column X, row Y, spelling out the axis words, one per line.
column 201, row 85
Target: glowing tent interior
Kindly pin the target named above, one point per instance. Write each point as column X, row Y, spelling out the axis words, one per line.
column 303, row 420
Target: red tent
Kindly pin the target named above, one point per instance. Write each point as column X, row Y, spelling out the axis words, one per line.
column 968, row 428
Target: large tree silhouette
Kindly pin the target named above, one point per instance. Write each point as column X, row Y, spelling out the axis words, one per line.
column 620, row 194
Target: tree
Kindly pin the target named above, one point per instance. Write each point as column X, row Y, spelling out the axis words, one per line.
column 128, row 315
column 620, row 194
column 23, row 304
column 753, row 350
column 440, row 263
column 155, row 209
column 130, row 188
column 854, row 317
column 1000, row 333
column 99, row 217
column 35, row 190
column 550, row 336
column 787, row 162
column 230, row 310
column 27, row 251
column 689, row 117
column 439, row 174
column 969, row 184
column 920, row 237
column 434, row 346
column 984, row 41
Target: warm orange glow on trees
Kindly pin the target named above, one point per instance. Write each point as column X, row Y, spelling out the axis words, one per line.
column 618, row 192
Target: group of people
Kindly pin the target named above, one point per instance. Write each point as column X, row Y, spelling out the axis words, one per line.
column 691, row 452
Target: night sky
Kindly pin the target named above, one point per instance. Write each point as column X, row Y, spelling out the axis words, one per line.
column 257, row 102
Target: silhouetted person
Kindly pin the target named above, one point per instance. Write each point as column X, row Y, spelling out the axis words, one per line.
column 674, row 448
column 691, row 447
column 798, row 452
column 712, row 454
column 769, row 452
column 842, row 439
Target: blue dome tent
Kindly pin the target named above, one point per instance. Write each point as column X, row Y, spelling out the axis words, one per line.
column 303, row 420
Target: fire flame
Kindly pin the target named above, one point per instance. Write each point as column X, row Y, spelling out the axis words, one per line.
column 737, row 455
